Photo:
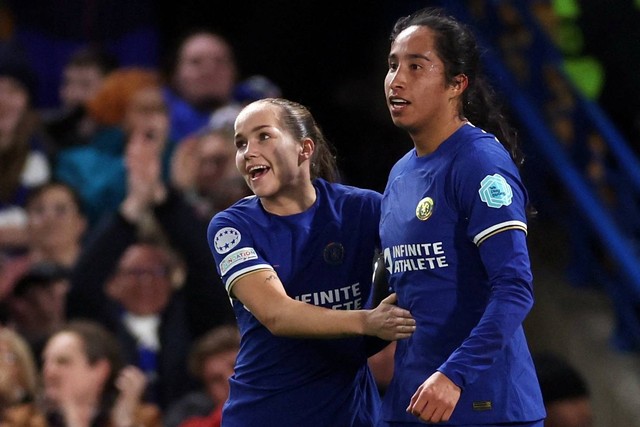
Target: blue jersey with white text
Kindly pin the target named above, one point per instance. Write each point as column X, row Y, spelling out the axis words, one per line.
column 323, row 256
column 453, row 231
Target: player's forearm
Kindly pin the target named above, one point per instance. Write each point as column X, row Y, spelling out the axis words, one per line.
column 302, row 320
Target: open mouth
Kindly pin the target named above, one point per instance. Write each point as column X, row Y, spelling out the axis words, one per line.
column 396, row 102
column 256, row 172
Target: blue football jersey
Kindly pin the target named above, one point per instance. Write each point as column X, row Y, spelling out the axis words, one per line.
column 323, row 256
column 453, row 231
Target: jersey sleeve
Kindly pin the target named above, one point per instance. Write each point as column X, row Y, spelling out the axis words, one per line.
column 234, row 250
column 493, row 200
column 489, row 191
column 510, row 301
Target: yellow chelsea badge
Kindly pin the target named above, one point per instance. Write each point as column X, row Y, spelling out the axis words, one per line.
column 424, row 209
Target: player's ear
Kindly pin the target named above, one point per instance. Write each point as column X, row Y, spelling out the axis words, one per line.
column 460, row 83
column 308, row 147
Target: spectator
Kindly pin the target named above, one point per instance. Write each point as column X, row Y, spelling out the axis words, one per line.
column 55, row 231
column 24, row 149
column 144, row 304
column 18, row 383
column 56, row 224
column 564, row 391
column 142, row 287
column 36, row 306
column 131, row 278
column 86, row 383
column 128, row 106
column 201, row 76
column 211, row 360
column 203, row 168
column 82, row 76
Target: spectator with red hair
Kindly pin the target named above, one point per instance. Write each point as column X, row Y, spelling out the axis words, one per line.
column 128, row 105
column 109, row 106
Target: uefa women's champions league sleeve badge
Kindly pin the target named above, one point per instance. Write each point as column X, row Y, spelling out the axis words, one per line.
column 495, row 191
column 424, row 208
column 226, row 239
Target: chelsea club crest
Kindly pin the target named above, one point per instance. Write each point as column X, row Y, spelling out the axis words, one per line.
column 334, row 253
column 424, row 209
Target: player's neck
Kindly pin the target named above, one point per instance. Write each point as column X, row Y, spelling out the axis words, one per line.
column 291, row 201
column 428, row 138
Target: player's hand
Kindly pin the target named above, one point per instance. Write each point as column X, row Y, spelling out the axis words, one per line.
column 435, row 399
column 390, row 322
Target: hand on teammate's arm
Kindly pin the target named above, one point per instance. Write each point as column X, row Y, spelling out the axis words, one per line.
column 264, row 295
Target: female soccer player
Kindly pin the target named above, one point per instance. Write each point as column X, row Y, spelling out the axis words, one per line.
column 296, row 260
column 453, row 233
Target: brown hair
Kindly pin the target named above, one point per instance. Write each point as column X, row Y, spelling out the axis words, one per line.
column 220, row 339
column 98, row 344
column 298, row 120
column 41, row 189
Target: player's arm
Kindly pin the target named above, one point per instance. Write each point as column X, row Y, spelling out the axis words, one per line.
column 263, row 294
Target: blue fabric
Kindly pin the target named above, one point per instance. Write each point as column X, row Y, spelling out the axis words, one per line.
column 184, row 119
column 148, row 363
column 322, row 256
column 453, row 236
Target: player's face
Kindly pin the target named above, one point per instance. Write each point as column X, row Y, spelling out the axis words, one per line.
column 267, row 156
column 415, row 87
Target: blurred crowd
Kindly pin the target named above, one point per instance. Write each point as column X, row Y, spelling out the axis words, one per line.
column 111, row 309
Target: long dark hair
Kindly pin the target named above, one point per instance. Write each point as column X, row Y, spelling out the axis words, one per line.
column 457, row 47
column 298, row 121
